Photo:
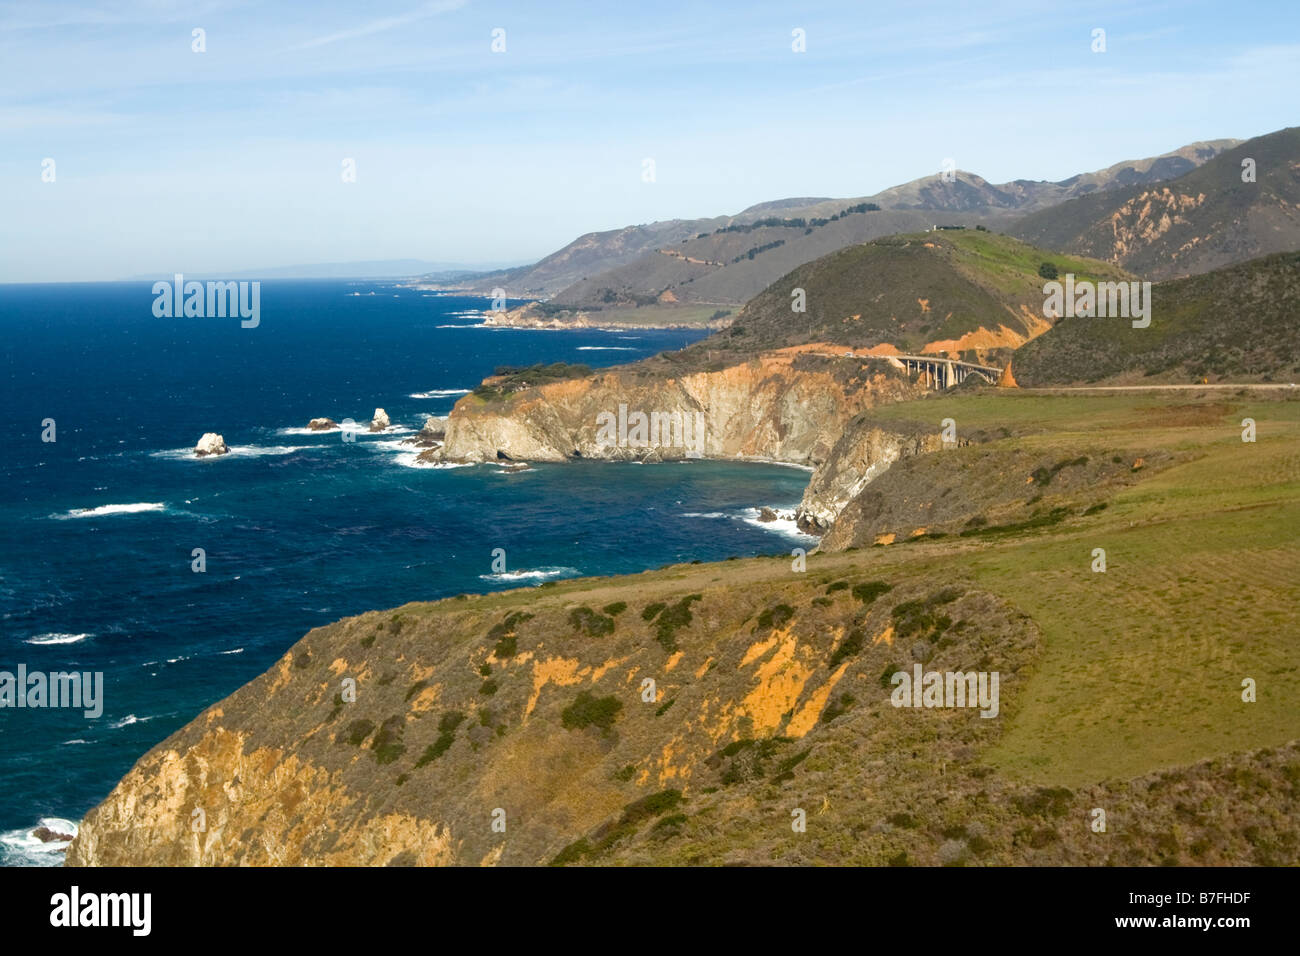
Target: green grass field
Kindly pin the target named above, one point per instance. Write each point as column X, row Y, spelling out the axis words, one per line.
column 1143, row 664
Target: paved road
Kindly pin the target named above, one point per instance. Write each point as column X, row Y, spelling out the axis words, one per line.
column 1151, row 388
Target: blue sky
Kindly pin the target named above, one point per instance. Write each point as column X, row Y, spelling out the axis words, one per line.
column 169, row 160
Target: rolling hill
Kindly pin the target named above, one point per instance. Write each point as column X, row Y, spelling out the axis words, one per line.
column 1236, row 324
column 971, row 293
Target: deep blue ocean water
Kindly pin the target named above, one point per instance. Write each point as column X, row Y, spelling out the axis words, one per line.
column 299, row 529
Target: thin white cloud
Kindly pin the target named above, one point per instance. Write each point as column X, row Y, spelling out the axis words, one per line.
column 384, row 24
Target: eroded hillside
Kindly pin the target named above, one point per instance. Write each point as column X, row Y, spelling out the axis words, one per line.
column 519, row 728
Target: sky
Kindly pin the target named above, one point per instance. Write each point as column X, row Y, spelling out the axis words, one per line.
column 170, row 160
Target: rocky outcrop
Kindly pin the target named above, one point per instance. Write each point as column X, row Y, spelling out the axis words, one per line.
column 380, row 421
column 322, row 424
column 47, row 835
column 863, row 453
column 431, row 435
column 210, row 444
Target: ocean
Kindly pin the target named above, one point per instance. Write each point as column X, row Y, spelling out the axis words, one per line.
column 98, row 528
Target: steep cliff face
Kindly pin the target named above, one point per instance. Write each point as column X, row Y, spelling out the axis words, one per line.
column 862, row 454
column 631, row 721
column 531, row 709
column 788, row 405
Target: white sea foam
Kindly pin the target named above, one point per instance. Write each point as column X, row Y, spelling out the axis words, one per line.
column 537, row 574
column 56, row 638
column 440, row 393
column 782, row 525
column 408, row 455
column 605, row 348
column 128, row 720
column 236, row 451
column 308, row 431
column 23, row 848
column 237, row 650
column 103, row 510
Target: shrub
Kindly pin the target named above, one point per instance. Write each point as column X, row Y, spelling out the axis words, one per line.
column 785, row 769
column 358, row 731
column 668, row 827
column 671, row 618
column 584, row 619
column 503, row 633
column 868, row 592
column 656, row 804
column 851, row 644
column 775, row 616
column 489, row 687
column 418, row 686
column 840, row 705
column 387, row 744
column 649, row 612
column 615, row 609
column 587, row 711
column 663, row 708
column 1047, row 270
column 572, row 853
column 836, row 586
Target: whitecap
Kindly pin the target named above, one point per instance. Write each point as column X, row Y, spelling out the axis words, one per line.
column 440, row 393
column 103, row 510
column 308, row 431
column 237, row 650
column 605, row 348
column 533, row 575
column 236, row 451
column 128, row 720
column 56, row 638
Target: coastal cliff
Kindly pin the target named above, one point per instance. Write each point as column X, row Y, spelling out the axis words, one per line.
column 664, row 718
column 789, row 405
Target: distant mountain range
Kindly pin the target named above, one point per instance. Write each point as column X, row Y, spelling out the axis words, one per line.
column 1205, row 219
column 726, row 260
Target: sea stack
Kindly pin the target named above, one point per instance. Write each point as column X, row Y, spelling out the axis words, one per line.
column 380, row 421
column 322, row 424
column 210, row 444
column 431, row 435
